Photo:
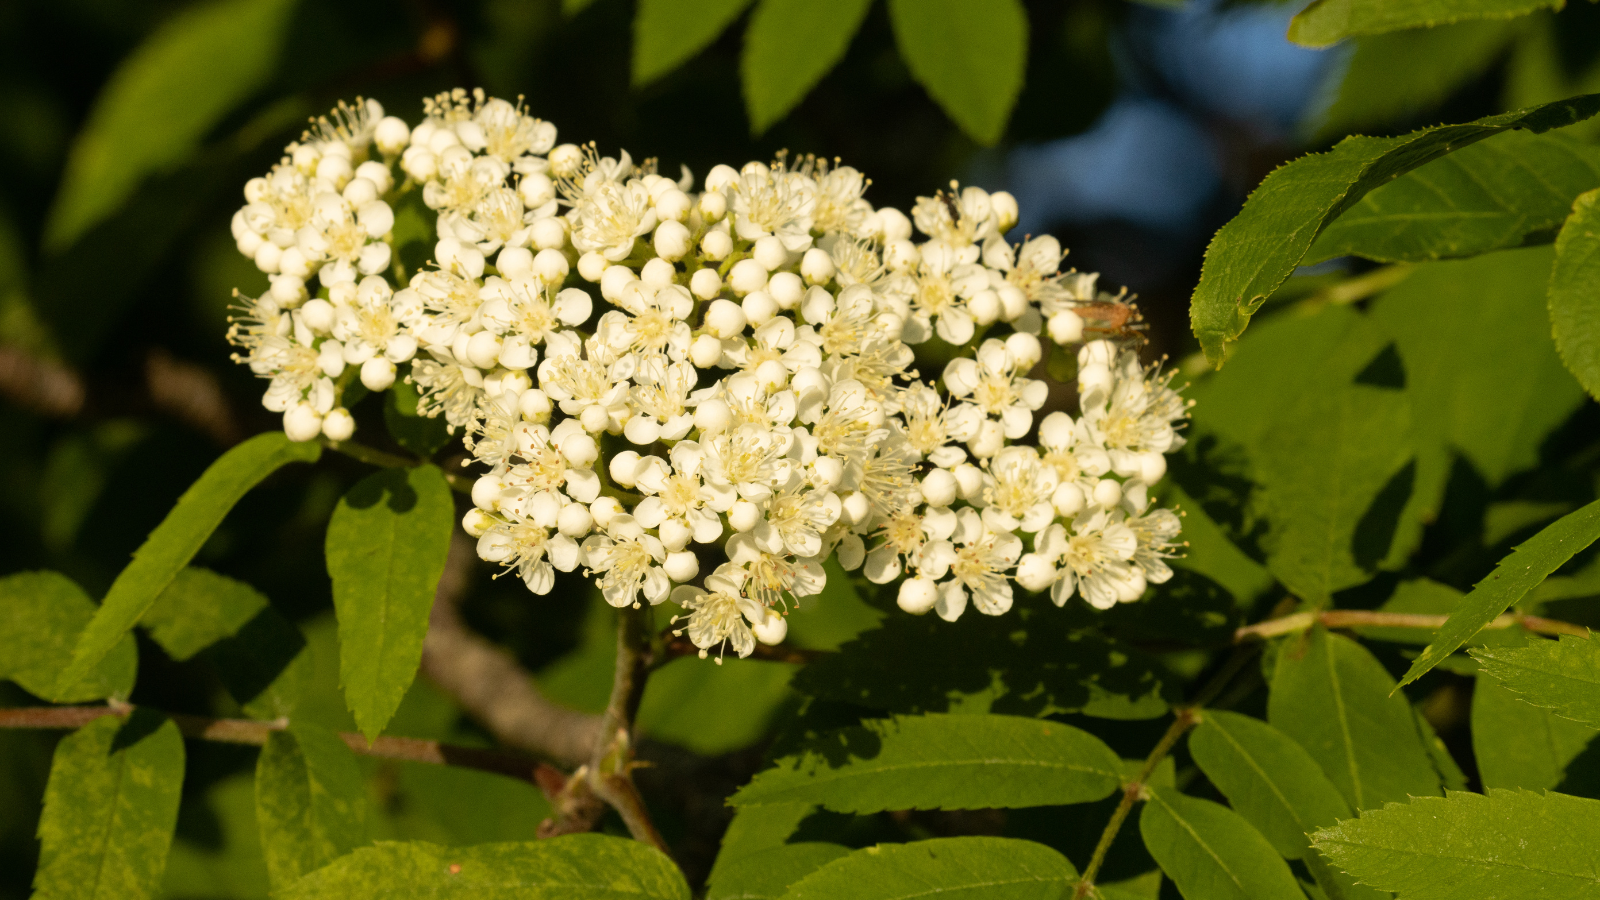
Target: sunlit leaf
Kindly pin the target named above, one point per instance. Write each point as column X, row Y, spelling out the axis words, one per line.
column 41, row 615
column 989, row 867
column 1326, row 22
column 788, row 47
column 1562, row 675
column 1575, row 292
column 311, row 801
column 667, row 33
column 969, row 54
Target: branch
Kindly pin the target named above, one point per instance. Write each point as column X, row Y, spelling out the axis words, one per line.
column 383, row 459
column 44, row 387
column 675, row 646
column 254, row 733
column 1357, row 618
column 611, row 763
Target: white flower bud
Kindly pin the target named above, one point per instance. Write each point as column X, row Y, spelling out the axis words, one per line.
column 338, row 424
column 604, row 509
column 1005, row 209
column 1025, row 349
column 1152, row 467
column 548, row 234
column 787, row 289
column 895, row 225
column 1068, row 499
column 483, row 349
column 985, row 307
column 705, row 284
column 712, row 416
column 391, row 135
column 724, row 318
column 770, row 253
column 1035, row 573
column 1066, row 327
column 969, row 481
column 574, row 520
column 377, row 374
column 720, row 177
column 359, row 192
column 591, row 266
column 534, row 405
column 658, row 273
column 301, row 422
column 580, row 449
column 759, row 307
column 267, row 256
column 826, row 473
column 565, row 159
column 673, row 205
column 901, row 254
column 642, row 430
column 744, row 516
column 939, row 488
column 486, row 492
column 991, row 437
column 856, row 507
column 747, row 275
column 419, row 162
column 917, row 595
column 772, row 628
column 514, row 262
column 1013, row 303
column 817, row 266
column 675, row 536
column 716, row 245
column 330, row 358
column 705, row 352
column 1107, row 492
column 613, row 280
column 1094, row 379
column 713, row 206
column 513, row 382
column 536, row 190
column 476, row 522
column 624, row 468
column 318, row 314
column 672, row 240
column 549, row 266
column 594, row 419
column 681, row 566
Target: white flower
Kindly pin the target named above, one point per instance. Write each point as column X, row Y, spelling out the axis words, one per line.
column 1093, row 557
column 904, row 536
column 720, row 615
column 798, row 516
column 934, row 297
column 628, row 562
column 771, row 202
column 660, row 396
column 611, row 217
column 369, row 323
column 1017, row 491
column 527, row 311
column 554, row 463
column 978, row 560
column 1134, row 418
column 996, row 387
column 446, row 386
column 346, row 241
column 677, row 503
column 519, row 543
column 748, row 460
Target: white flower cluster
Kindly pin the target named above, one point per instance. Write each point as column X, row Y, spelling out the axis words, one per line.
column 739, row 396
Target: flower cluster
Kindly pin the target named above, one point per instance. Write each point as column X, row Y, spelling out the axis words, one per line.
column 655, row 379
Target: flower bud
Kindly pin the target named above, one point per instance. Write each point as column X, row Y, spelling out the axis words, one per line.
column 1068, row 499
column 675, row 536
column 642, row 430
column 338, row 424
column 672, row 240
column 301, row 422
column 1152, row 467
column 705, row 352
column 725, row 319
column 744, row 515
column 673, row 205
column 917, row 595
column 580, row 449
column 939, row 488
column 514, row 262
column 624, row 468
column 716, row 245
column 658, row 273
column 1107, row 492
column 712, row 416
column 574, row 520
column 770, row 253
column 391, row 135
column 591, row 266
column 318, row 315
column 895, row 225
column 1025, row 349
column 486, row 492
column 594, row 419
column 826, row 473
column 900, row 254
column 787, row 289
column 772, row 627
column 747, row 275
column 483, row 349
column 720, row 177
column 856, row 507
column 534, row 405
column 705, row 284
column 536, row 190
column 377, row 374
column 817, row 266
column 604, row 509
column 1034, row 572
column 1005, row 209
column 548, row 234
column 476, row 522
column 681, row 566
column 713, row 206
column 985, row 307
column 969, row 481
column 550, row 266
column 991, row 437
column 613, row 280
column 1066, row 327
column 759, row 307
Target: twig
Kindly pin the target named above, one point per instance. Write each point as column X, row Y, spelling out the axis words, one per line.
column 611, row 763
column 45, row 387
column 383, row 459
column 1358, row 618
column 675, row 646
column 254, row 733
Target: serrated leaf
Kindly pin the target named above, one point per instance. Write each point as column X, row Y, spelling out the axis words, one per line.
column 970, row 55
column 1326, row 22
column 420, row 434
column 198, row 609
column 1575, row 292
column 1268, row 779
column 767, row 875
column 961, row 867
column 755, row 830
column 1333, row 698
column 386, row 548
column 1518, row 744
column 1253, row 254
column 1507, row 845
column 1510, row 581
column 941, row 762
column 788, row 47
column 667, row 33
column 1493, row 195
column 160, row 103
column 311, row 801
column 109, row 810
column 41, row 615
column 178, row 538
column 1210, row 852
column 1563, row 675
column 573, row 867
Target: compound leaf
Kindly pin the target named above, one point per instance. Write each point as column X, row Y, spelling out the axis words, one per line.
column 1563, row 675
column 969, row 54
column 311, row 801
column 1210, row 852
column 989, row 867
column 788, row 47
column 1575, row 292
column 41, row 615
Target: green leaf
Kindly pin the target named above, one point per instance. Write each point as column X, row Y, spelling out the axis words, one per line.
column 788, row 47
column 1492, row 195
column 1255, row 252
column 1211, row 853
column 266, row 666
column 1268, row 779
column 419, row 434
column 176, row 540
column 990, row 868
column 386, row 549
column 41, row 616
column 1333, row 698
column 1504, row 846
column 767, row 875
column 109, row 810
column 756, row 830
column 667, row 33
column 1327, row 22
column 1563, row 675
column 574, row 867
column 1333, row 486
column 161, row 102
column 198, row 609
column 942, row 762
column 1575, row 292
column 1518, row 744
column 1513, row 578
column 311, row 801
column 969, row 54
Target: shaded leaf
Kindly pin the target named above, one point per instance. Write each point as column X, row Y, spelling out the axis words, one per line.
column 1211, row 853
column 1513, row 578
column 574, row 867
column 1563, row 675
column 1333, row 698
column 941, row 762
column 1253, row 254
column 969, row 54
column 1268, row 779
column 667, row 33
column 198, row 609
column 1509, row 844
column 160, row 103
column 1575, row 292
column 1518, row 744
column 788, row 47
column 311, row 801
column 265, row 666
column 422, row 435
column 754, row 831
column 769, row 873
column 960, row 867
column 386, row 548
column 1491, row 195
column 176, row 540
column 41, row 615
column 1327, row 22
column 109, row 810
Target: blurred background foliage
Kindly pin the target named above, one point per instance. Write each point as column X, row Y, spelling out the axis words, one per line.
column 1136, row 130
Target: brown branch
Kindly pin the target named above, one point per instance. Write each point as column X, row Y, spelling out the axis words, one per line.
column 490, row 684
column 41, row 386
column 254, row 733
column 611, row 761
column 192, row 395
column 1358, row 618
